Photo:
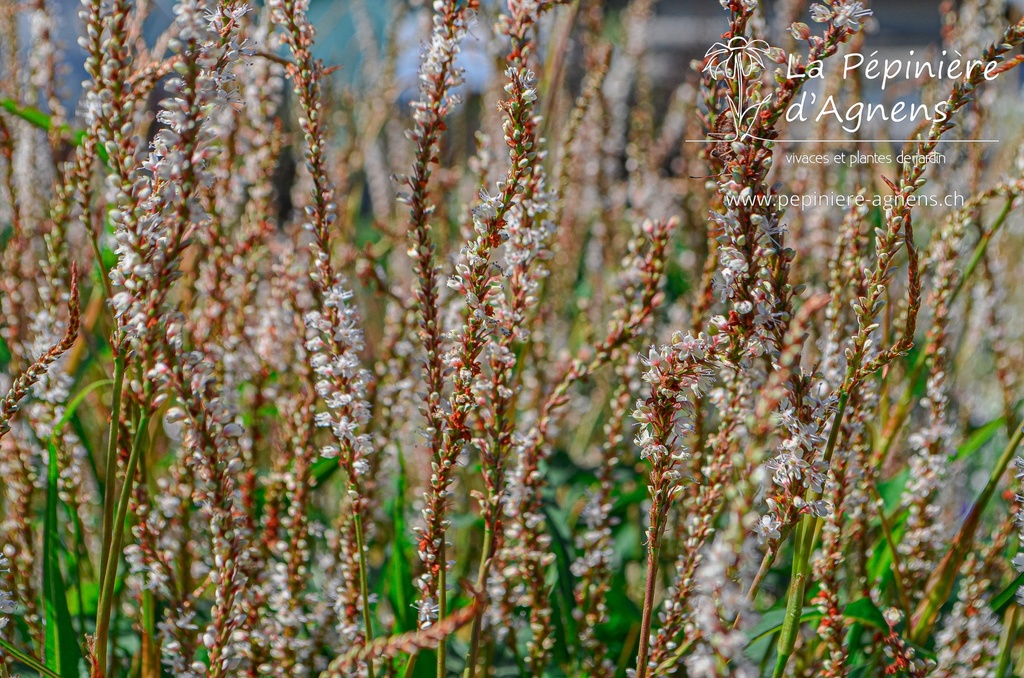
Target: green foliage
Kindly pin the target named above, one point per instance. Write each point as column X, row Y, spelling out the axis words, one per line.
column 63, row 653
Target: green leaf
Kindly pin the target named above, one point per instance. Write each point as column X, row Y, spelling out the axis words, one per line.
column 322, row 470
column 63, row 653
column 978, row 438
column 90, row 595
column 861, row 611
column 31, row 115
column 43, row 121
column 771, row 622
column 399, row 571
column 6, row 231
column 860, row 671
column 1007, row 595
column 73, row 404
column 564, row 582
column 26, row 659
column 891, row 490
column 864, row 611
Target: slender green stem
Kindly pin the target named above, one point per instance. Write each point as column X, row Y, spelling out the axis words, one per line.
column 623, row 662
column 833, row 435
column 364, row 587
column 803, row 540
column 110, row 475
column 648, row 614
column 894, row 425
column 113, row 556
column 766, row 564
column 794, row 604
column 442, row 608
column 410, row 665
column 481, row 584
column 80, row 552
column 897, row 566
column 940, row 584
column 149, row 657
column 672, row 662
column 104, row 273
column 982, row 246
column 1006, row 641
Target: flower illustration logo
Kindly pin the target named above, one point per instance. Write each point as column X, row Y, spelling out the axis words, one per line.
column 739, row 60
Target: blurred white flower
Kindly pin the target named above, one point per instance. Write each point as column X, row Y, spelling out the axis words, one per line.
column 767, row 528
column 850, row 14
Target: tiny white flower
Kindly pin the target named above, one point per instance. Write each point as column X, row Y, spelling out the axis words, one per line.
column 7, row 606
column 767, row 528
column 849, row 15
column 820, row 13
column 892, row 616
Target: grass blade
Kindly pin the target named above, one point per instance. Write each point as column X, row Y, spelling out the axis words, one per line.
column 399, row 574
column 26, row 659
column 63, row 652
column 1006, row 596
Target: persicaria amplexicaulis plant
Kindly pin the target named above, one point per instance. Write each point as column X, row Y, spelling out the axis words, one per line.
column 488, row 351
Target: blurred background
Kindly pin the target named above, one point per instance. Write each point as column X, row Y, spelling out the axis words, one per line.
column 681, row 31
